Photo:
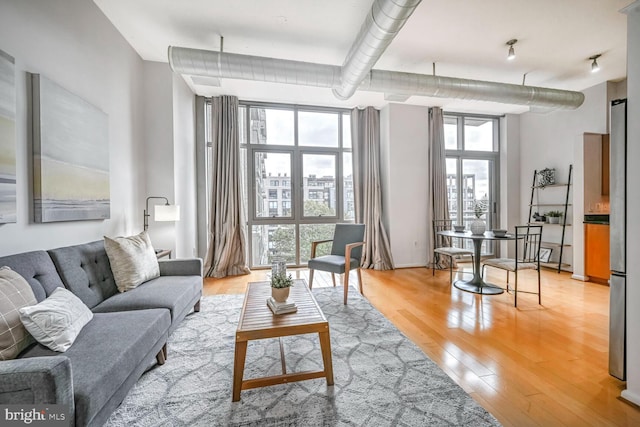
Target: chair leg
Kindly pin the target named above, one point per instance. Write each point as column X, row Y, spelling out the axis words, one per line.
column 539, row 289
column 310, row 278
column 433, row 264
column 360, row 280
column 333, row 279
column 451, row 269
column 482, row 272
column 515, row 291
column 346, row 286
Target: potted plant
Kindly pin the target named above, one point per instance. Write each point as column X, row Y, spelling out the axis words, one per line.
column 554, row 217
column 478, row 226
column 280, row 284
column 546, row 177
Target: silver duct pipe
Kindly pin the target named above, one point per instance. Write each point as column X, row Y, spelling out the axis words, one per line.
column 245, row 67
column 449, row 87
column 382, row 24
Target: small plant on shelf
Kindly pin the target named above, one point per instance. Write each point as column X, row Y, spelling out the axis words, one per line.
column 546, row 177
column 554, row 216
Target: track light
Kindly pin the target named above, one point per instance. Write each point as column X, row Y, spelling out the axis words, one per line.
column 594, row 65
column 512, row 52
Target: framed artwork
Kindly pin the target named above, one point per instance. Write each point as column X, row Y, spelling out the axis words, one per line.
column 70, row 155
column 545, row 254
column 7, row 139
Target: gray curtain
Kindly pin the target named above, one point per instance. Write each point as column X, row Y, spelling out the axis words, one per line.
column 226, row 253
column 438, row 203
column 365, row 135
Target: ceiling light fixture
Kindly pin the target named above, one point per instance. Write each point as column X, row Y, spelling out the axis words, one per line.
column 594, row 65
column 512, row 52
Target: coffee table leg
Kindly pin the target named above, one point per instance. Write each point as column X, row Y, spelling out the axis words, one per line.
column 238, row 368
column 325, row 346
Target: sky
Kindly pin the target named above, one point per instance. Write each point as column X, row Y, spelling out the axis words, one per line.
column 315, row 129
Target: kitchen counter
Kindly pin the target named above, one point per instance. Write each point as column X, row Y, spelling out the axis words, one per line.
column 596, row 219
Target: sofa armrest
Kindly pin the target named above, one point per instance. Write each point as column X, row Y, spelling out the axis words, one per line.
column 181, row 267
column 37, row 380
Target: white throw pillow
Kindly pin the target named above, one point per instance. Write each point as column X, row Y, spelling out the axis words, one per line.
column 56, row 321
column 15, row 293
column 133, row 260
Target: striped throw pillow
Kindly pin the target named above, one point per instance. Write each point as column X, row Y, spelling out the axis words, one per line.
column 15, row 293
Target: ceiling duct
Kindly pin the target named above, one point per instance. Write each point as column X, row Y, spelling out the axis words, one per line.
column 198, row 62
column 382, row 24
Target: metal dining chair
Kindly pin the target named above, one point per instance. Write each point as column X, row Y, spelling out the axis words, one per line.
column 443, row 246
column 527, row 257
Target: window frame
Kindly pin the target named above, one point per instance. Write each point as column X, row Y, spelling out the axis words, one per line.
column 493, row 157
column 296, row 179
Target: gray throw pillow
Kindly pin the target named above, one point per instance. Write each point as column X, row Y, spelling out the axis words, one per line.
column 56, row 321
column 133, row 260
column 15, row 293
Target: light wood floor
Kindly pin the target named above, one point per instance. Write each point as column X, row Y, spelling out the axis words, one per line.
column 531, row 366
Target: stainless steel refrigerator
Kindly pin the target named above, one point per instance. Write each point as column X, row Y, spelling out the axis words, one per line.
column 618, row 233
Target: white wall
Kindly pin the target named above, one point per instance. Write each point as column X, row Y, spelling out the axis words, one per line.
column 510, row 215
column 555, row 140
column 184, row 150
column 632, row 392
column 72, row 43
column 158, row 143
column 404, row 140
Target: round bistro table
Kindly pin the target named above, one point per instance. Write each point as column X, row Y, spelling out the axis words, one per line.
column 477, row 285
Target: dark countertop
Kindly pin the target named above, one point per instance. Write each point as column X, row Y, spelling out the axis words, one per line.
column 596, row 219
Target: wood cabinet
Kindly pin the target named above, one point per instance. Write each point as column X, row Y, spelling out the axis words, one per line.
column 605, row 165
column 596, row 251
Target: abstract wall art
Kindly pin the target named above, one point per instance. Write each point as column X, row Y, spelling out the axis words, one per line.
column 7, row 139
column 70, row 155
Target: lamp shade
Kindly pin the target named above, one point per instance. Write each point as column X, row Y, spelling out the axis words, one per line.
column 167, row 213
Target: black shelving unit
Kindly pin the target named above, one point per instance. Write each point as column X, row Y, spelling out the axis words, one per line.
column 563, row 224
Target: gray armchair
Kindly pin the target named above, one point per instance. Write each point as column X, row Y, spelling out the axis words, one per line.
column 345, row 256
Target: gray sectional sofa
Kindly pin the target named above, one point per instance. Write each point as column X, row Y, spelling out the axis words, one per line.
column 127, row 335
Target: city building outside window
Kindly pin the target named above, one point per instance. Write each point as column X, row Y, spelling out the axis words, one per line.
column 296, row 161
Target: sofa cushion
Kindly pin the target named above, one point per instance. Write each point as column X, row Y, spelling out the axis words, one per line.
column 56, row 321
column 176, row 293
column 15, row 293
column 107, row 351
column 38, row 269
column 133, row 260
column 86, row 271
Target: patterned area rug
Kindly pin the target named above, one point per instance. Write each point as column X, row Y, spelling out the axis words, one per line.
column 381, row 377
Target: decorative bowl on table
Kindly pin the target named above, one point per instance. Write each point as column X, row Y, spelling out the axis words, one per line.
column 499, row 233
column 458, row 228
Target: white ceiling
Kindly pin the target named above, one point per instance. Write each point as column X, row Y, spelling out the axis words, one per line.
column 466, row 39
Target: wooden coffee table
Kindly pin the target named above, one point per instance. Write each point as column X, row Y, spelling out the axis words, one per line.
column 257, row 321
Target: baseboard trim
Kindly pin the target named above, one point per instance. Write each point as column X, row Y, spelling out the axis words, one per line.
column 579, row 277
column 631, row 397
column 410, row 266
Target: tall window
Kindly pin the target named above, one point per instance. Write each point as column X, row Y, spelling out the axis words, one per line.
column 297, row 161
column 472, row 151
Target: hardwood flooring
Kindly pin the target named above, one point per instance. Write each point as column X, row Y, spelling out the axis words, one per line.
column 529, row 366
